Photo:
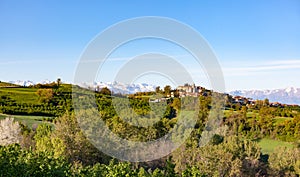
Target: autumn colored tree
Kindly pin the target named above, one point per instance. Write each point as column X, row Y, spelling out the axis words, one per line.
column 45, row 95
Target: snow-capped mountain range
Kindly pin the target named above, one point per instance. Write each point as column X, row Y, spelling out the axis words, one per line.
column 28, row 82
column 288, row 95
column 116, row 87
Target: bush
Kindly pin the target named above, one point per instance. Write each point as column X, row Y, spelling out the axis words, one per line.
column 10, row 131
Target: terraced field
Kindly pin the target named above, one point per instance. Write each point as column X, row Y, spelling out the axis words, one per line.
column 30, row 121
column 20, row 95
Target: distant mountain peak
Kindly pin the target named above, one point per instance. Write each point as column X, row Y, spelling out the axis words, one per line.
column 118, row 87
column 291, row 89
column 22, row 83
column 289, row 95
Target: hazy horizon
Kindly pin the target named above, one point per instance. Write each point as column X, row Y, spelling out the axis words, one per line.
column 137, row 83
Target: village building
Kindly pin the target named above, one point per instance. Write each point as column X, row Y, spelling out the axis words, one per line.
column 190, row 90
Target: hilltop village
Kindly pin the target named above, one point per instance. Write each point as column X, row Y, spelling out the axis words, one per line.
column 191, row 90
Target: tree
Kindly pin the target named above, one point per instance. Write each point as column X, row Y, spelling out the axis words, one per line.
column 265, row 121
column 167, row 90
column 10, row 131
column 58, row 81
column 77, row 146
column 176, row 104
column 45, row 95
column 266, row 102
column 157, row 89
column 232, row 157
column 105, row 91
column 285, row 162
column 46, row 143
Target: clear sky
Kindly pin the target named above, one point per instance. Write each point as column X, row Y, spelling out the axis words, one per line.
column 257, row 42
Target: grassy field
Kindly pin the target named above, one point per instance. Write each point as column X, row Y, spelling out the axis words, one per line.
column 26, row 120
column 268, row 145
column 20, row 95
column 12, row 94
column 251, row 114
column 279, row 120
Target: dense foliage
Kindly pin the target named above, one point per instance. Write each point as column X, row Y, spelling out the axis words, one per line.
column 63, row 149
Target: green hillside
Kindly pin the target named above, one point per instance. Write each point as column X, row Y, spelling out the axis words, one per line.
column 254, row 137
column 20, row 95
column 6, row 84
column 40, row 100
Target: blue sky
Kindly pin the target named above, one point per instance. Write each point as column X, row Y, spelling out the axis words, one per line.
column 257, row 42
